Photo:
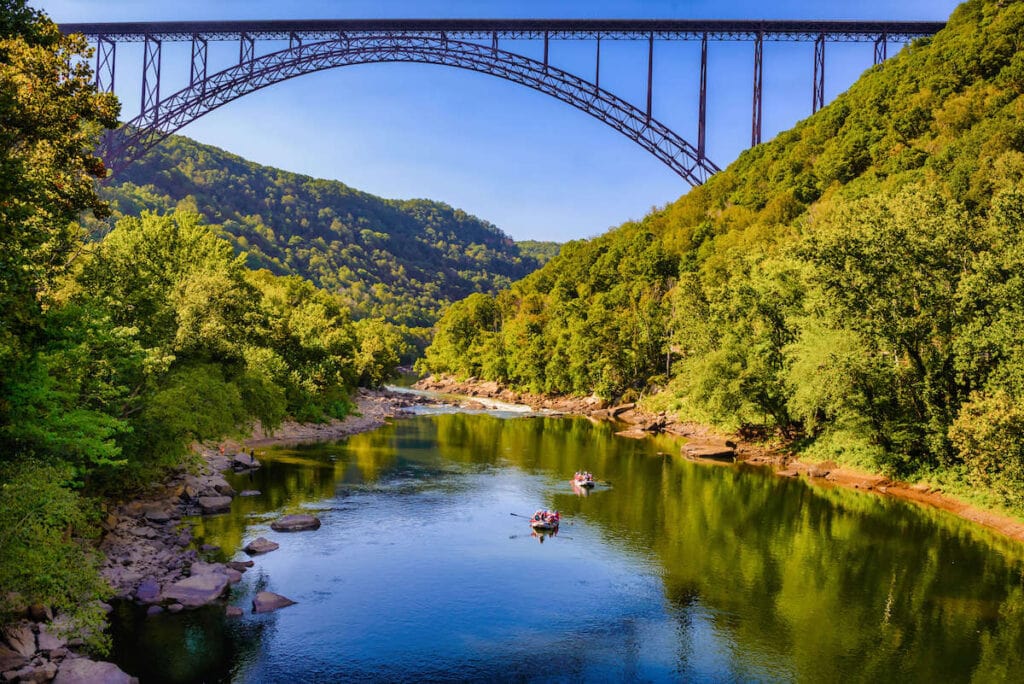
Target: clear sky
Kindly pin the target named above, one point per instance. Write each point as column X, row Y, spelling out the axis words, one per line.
column 534, row 166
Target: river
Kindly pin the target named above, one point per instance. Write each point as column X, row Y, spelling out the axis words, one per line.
column 673, row 571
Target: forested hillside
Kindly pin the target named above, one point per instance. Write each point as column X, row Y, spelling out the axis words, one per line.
column 854, row 285
column 119, row 352
column 400, row 260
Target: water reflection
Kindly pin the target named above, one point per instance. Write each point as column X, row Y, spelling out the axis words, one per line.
column 675, row 570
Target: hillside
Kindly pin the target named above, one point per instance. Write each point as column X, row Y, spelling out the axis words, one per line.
column 401, row 260
column 852, row 285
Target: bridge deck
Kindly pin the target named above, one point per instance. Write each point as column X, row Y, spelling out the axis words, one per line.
column 560, row 29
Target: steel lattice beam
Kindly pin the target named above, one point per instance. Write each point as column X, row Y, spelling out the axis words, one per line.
column 881, row 48
column 151, row 80
column 818, row 87
column 756, row 110
column 190, row 103
column 516, row 29
column 106, row 59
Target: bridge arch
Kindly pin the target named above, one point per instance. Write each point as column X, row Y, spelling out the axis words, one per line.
column 140, row 134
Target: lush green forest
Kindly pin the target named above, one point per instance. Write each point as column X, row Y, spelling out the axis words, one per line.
column 392, row 259
column 118, row 352
column 854, row 285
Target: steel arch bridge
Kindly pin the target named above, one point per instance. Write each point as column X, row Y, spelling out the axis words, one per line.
column 337, row 43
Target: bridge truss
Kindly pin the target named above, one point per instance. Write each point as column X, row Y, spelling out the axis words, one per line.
column 473, row 44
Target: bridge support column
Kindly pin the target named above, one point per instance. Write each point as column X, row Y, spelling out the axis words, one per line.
column 106, row 56
column 545, row 52
column 818, row 94
column 650, row 73
column 197, row 73
column 294, row 40
column 881, row 48
column 150, row 80
column 755, row 124
column 597, row 63
column 246, row 49
column 702, row 106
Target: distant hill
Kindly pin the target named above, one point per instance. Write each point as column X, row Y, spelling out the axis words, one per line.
column 399, row 259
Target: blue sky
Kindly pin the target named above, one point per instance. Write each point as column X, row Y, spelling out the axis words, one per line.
column 534, row 166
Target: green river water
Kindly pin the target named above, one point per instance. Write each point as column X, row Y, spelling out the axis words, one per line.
column 676, row 571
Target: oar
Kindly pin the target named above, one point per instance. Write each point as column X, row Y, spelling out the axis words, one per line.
column 528, row 517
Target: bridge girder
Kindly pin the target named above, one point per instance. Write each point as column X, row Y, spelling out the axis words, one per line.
column 133, row 139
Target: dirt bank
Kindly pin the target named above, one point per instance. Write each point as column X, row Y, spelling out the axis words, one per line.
column 705, row 443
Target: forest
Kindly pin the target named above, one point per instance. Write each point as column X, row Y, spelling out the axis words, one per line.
column 398, row 260
column 851, row 288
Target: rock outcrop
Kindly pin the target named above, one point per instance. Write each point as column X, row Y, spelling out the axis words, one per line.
column 267, row 601
column 295, row 523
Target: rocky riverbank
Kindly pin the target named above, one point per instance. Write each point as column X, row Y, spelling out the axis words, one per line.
column 704, row 444
column 151, row 558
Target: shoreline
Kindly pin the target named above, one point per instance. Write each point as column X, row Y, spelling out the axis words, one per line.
column 705, row 444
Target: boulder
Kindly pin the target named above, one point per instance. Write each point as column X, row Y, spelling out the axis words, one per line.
column 209, row 547
column 214, row 504
column 233, row 611
column 243, row 461
column 48, row 641
column 10, row 659
column 240, row 566
column 713, row 452
column 157, row 513
column 20, row 638
column 197, row 590
column 260, row 545
column 234, row 576
column 175, row 608
column 85, row 671
column 267, row 601
column 295, row 523
column 148, row 591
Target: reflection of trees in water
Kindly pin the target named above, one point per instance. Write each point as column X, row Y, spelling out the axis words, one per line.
column 195, row 646
column 816, row 581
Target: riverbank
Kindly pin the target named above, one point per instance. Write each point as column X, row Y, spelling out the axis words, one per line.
column 150, row 556
column 704, row 443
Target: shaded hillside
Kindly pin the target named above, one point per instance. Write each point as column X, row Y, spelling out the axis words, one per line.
column 401, row 260
column 853, row 284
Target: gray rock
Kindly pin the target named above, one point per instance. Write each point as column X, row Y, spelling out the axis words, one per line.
column 203, row 568
column 260, row 545
column 85, row 671
column 175, row 608
column 10, row 659
column 20, row 638
column 234, row 576
column 240, row 566
column 197, row 590
column 267, row 601
column 153, row 610
column 250, row 492
column 49, row 641
column 215, row 504
column 148, row 591
column 243, row 461
column 233, row 611
column 157, row 513
column 209, row 547
column 295, row 523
